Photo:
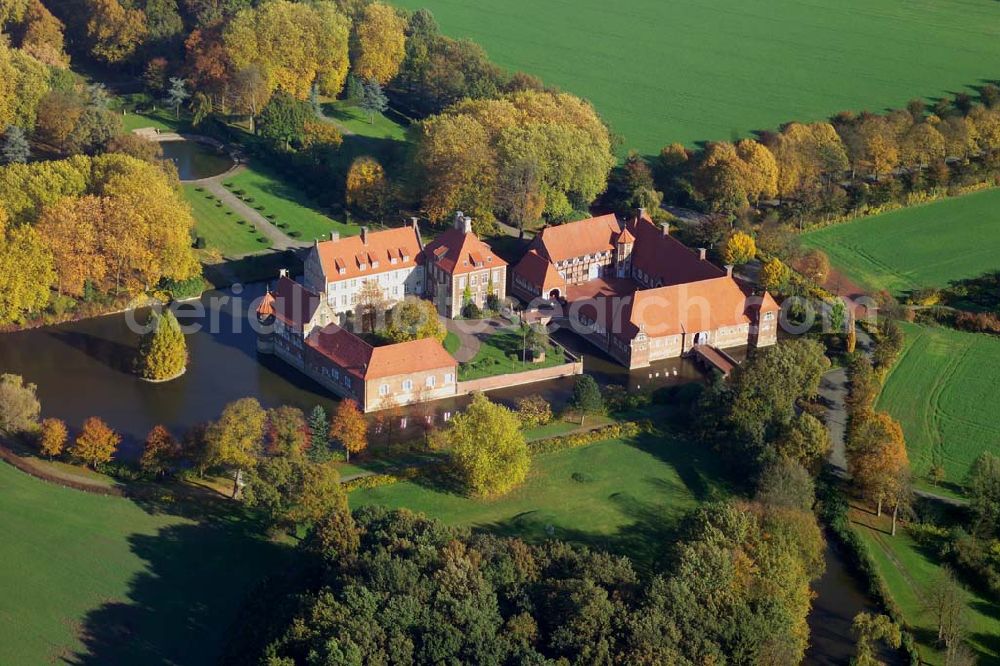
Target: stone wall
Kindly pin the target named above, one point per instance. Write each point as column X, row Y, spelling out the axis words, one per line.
column 520, row 378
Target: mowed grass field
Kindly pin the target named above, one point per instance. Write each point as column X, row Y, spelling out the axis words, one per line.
column 661, row 71
column 943, row 391
column 910, row 571
column 923, row 246
column 626, row 496
column 289, row 206
column 88, row 579
column 220, row 226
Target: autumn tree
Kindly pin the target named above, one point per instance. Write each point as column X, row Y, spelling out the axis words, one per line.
column 774, row 274
column 236, row 439
column 740, row 249
column 814, row 264
column 370, row 306
column 869, row 630
column 293, row 45
column 367, row 189
column 162, row 353
column 806, row 155
column 878, row 463
column 26, row 272
column 52, row 437
column 730, row 177
column 114, row 31
column 534, row 411
column 414, row 319
column 96, row 443
column 159, row 452
column 291, row 491
column 349, row 427
column 19, row 406
column 806, row 441
column 287, row 433
column 487, row 448
column 23, row 82
column 379, row 43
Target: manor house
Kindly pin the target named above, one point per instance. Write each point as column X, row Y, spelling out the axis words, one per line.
column 639, row 294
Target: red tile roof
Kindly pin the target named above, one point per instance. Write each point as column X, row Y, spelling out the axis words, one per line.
column 665, row 258
column 457, row 252
column 367, row 362
column 351, row 253
column 539, row 271
column 293, row 304
column 575, row 239
column 693, row 307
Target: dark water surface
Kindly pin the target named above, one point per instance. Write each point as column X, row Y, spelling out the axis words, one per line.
column 195, row 160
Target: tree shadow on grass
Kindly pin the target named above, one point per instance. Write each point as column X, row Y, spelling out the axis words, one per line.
column 178, row 610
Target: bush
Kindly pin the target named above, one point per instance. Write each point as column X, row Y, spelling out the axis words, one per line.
column 978, row 322
column 575, row 440
column 534, row 411
column 471, row 311
column 380, row 480
column 200, row 243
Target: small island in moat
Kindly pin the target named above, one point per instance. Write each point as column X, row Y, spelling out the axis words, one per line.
column 162, row 353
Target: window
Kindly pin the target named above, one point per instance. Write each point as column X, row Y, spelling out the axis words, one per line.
column 407, row 385
column 336, row 373
column 449, row 378
column 768, row 316
column 430, row 382
column 446, row 416
column 383, row 390
column 461, row 283
column 402, row 423
column 472, row 279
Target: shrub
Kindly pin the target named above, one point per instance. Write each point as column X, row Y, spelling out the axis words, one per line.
column 295, row 234
column 379, row 480
column 622, row 430
column 200, row 243
column 534, row 411
column 471, row 311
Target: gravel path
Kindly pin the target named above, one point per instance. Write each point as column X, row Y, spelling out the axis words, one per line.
column 279, row 240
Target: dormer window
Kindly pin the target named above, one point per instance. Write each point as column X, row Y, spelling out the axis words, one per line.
column 375, row 264
column 342, row 271
column 393, row 261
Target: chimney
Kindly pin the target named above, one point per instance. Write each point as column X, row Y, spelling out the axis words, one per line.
column 414, row 222
column 364, row 235
column 642, row 213
column 729, row 270
column 459, row 220
column 665, row 226
column 466, row 225
column 701, row 253
column 335, row 235
column 282, row 272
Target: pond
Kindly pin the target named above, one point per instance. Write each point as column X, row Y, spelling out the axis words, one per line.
column 195, row 160
column 83, row 369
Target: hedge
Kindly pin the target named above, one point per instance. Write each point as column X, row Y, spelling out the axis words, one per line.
column 578, row 439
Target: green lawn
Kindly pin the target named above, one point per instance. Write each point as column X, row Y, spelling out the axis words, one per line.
column 909, row 570
column 922, row 246
column 943, row 391
column 451, row 343
column 674, row 70
column 290, row 206
column 220, row 226
column 92, row 579
column 356, row 121
column 621, row 495
column 494, row 357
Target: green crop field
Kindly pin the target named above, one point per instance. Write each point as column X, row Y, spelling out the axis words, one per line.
column 220, row 226
column 661, row 71
column 622, row 495
column 943, row 392
column 922, row 246
column 103, row 580
column 909, row 571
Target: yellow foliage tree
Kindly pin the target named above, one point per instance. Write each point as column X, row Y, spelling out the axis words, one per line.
column 114, row 30
column 96, row 442
column 26, row 272
column 23, row 82
column 877, row 460
column 774, row 274
column 366, row 186
column 740, row 248
column 52, row 437
column 379, row 43
column 487, row 448
column 70, row 234
column 293, row 45
column 43, row 36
